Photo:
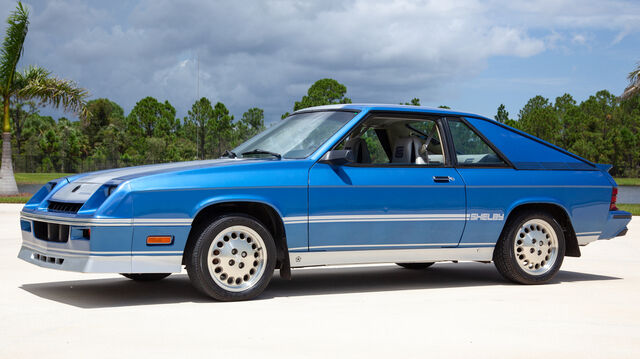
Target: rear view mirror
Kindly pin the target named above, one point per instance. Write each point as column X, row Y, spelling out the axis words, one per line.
column 338, row 157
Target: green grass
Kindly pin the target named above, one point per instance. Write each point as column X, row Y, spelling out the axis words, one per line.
column 633, row 208
column 14, row 199
column 37, row 178
column 628, row 181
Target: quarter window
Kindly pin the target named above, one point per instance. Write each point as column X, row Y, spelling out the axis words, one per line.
column 471, row 150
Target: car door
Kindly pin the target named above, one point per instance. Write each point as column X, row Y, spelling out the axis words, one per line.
column 389, row 205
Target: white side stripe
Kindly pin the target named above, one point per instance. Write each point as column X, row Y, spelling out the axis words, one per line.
column 376, row 218
column 107, row 222
column 588, row 233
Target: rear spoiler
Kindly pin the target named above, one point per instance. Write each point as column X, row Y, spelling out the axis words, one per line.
column 603, row 167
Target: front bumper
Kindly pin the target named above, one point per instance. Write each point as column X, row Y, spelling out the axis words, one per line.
column 107, row 251
column 86, row 263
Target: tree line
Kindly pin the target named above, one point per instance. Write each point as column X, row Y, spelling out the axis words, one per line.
column 603, row 128
column 150, row 133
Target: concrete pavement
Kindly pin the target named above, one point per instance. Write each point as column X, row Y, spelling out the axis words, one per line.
column 591, row 310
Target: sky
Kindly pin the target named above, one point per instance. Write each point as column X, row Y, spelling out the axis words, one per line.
column 469, row 55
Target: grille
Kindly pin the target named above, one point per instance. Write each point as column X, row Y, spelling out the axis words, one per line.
column 52, row 232
column 48, row 259
column 64, row 207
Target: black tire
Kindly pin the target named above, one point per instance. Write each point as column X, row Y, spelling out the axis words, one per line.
column 145, row 277
column 515, row 237
column 202, row 276
column 424, row 265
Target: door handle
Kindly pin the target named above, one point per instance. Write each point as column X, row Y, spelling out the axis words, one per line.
column 443, row 179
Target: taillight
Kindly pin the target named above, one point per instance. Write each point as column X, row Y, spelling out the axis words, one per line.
column 614, row 199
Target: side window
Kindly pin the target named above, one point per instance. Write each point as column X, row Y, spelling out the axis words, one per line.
column 396, row 141
column 470, row 148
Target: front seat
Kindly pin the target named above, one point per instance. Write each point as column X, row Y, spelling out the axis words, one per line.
column 359, row 148
column 409, row 150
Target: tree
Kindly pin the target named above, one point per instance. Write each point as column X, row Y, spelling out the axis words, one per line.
column 33, row 83
column 414, row 102
column 566, row 113
column 19, row 115
column 502, row 116
column 220, row 130
column 103, row 112
column 197, row 122
column 539, row 119
column 149, row 119
column 251, row 123
column 322, row 92
column 634, row 84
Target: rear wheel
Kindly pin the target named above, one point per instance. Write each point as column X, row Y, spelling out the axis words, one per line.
column 424, row 265
column 531, row 249
column 233, row 259
column 145, row 277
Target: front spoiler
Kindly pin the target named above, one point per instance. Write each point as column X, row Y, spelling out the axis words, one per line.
column 75, row 262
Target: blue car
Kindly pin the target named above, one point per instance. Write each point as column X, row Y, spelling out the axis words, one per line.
column 332, row 185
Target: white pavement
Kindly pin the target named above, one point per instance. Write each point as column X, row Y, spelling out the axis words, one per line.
column 591, row 310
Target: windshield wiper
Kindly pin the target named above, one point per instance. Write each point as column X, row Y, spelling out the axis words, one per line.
column 258, row 151
column 229, row 154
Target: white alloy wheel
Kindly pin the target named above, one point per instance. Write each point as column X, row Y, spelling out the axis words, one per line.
column 536, row 247
column 237, row 258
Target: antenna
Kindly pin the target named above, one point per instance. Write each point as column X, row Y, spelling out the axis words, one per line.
column 198, row 76
column 197, row 98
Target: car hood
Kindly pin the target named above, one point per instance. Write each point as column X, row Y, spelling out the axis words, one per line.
column 82, row 186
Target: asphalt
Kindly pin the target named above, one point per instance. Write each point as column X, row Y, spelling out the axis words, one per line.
column 590, row 310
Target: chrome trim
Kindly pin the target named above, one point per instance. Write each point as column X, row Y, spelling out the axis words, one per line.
column 306, row 259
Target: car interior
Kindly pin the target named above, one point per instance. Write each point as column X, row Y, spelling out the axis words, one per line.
column 396, row 141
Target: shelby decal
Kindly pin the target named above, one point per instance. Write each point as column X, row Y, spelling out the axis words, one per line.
column 486, row 216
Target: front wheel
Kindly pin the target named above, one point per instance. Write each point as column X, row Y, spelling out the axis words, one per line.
column 531, row 248
column 232, row 259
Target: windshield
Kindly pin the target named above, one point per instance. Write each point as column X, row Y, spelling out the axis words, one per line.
column 297, row 136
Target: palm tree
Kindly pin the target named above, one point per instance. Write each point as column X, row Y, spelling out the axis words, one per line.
column 634, row 84
column 34, row 83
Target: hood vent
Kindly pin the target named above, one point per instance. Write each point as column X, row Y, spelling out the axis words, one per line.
column 64, row 207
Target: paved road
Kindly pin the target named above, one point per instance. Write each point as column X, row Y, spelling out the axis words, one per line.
column 451, row 310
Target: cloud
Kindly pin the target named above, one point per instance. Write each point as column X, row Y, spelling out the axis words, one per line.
column 267, row 54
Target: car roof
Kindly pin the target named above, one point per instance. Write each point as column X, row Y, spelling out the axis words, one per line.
column 391, row 107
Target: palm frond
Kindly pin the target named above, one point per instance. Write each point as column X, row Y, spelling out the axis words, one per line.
column 12, row 45
column 634, row 84
column 38, row 84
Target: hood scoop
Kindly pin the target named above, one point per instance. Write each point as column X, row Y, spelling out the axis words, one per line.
column 75, row 192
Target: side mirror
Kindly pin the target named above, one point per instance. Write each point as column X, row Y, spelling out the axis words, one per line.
column 338, row 157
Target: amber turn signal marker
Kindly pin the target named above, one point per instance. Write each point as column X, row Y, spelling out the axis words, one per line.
column 159, row 240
